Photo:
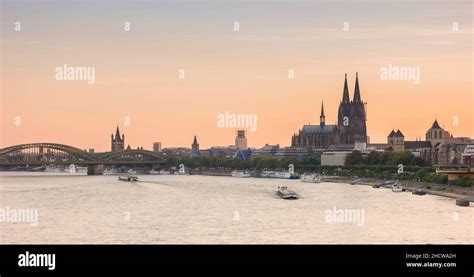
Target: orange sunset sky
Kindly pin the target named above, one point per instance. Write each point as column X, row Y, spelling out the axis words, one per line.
column 241, row 72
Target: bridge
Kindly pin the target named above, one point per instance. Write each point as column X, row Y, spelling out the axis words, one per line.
column 61, row 154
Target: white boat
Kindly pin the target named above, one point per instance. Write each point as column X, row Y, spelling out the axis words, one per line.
column 109, row 171
column 75, row 169
column 50, row 168
column 181, row 173
column 311, row 178
column 161, row 172
column 397, row 187
column 240, row 174
column 128, row 178
column 70, row 169
column 285, row 193
column 279, row 175
column 131, row 171
column 81, row 169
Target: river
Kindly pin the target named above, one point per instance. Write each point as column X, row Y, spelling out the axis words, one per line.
column 179, row 209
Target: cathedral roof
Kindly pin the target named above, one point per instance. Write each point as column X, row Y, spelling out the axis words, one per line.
column 117, row 132
column 117, row 135
column 318, row 128
column 398, row 134
column 417, row 144
column 392, row 133
column 435, row 125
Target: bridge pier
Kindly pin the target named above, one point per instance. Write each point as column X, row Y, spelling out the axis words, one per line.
column 95, row 169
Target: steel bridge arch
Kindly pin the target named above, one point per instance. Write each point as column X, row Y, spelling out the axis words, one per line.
column 61, row 147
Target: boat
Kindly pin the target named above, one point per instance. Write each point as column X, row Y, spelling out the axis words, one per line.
column 161, row 172
column 396, row 187
column 75, row 169
column 385, row 183
column 70, row 169
column 50, row 168
column 131, row 171
column 81, row 169
column 355, row 181
column 240, row 174
column 110, row 171
column 279, row 175
column 285, row 193
column 311, row 178
column 130, row 178
column 463, row 202
column 419, row 191
column 178, row 172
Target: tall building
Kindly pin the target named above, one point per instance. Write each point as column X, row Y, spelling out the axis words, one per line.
column 350, row 128
column 157, row 147
column 195, row 145
column 241, row 140
column 117, row 142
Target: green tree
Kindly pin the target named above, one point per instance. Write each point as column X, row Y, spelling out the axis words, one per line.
column 354, row 158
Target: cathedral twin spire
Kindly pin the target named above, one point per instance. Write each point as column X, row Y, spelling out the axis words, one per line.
column 345, row 95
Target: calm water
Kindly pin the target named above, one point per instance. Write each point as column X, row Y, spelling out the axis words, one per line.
column 205, row 209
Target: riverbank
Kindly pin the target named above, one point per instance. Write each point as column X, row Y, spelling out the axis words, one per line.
column 431, row 188
column 444, row 190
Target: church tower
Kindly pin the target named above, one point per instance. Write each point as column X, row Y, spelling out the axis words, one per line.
column 357, row 126
column 435, row 134
column 322, row 117
column 195, row 145
column 344, row 106
column 117, row 143
column 344, row 115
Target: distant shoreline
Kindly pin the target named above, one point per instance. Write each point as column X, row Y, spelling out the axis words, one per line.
column 431, row 188
column 443, row 190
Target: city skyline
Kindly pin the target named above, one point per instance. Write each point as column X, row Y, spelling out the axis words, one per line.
column 242, row 72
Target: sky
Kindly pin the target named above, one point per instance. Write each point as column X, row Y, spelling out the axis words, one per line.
column 241, row 72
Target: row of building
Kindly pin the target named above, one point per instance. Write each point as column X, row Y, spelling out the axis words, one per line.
column 335, row 141
column 118, row 144
column 438, row 148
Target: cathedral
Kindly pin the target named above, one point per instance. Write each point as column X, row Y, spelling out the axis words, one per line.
column 350, row 127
